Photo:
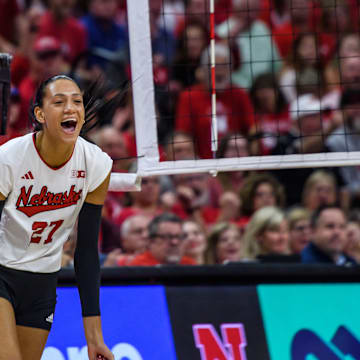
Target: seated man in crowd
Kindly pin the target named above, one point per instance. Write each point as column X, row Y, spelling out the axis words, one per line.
column 134, row 241
column 328, row 238
column 165, row 243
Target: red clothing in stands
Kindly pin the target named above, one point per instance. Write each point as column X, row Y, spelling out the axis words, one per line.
column 281, row 27
column 27, row 90
column 147, row 259
column 9, row 9
column 235, row 113
column 223, row 9
column 70, row 32
column 20, row 67
column 286, row 34
column 272, row 125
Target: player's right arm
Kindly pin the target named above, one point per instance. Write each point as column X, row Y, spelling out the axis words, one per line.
column 2, row 197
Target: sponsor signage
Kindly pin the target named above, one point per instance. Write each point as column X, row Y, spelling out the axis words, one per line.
column 216, row 323
column 317, row 321
column 135, row 323
column 267, row 322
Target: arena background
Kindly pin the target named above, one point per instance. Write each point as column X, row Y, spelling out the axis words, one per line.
column 237, row 311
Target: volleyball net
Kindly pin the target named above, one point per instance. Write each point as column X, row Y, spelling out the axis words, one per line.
column 243, row 89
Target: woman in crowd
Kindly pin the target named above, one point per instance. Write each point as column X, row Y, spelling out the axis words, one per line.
column 195, row 242
column 303, row 72
column 299, row 229
column 272, row 114
column 259, row 190
column 224, row 244
column 352, row 247
column 194, row 39
column 320, row 189
column 233, row 145
column 266, row 234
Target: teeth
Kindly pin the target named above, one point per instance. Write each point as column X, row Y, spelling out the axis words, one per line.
column 68, row 120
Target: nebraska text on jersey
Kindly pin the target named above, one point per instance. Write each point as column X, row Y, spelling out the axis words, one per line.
column 45, row 201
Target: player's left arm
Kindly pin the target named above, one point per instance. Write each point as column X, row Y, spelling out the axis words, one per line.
column 2, row 202
column 87, row 269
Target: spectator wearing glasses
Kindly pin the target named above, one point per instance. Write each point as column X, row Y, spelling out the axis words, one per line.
column 165, row 243
column 299, row 229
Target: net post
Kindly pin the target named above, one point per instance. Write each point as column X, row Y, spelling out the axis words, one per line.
column 142, row 83
column 214, row 128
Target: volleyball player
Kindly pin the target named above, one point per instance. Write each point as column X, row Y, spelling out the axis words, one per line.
column 50, row 178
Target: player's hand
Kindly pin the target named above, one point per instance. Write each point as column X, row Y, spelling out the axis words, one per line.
column 99, row 352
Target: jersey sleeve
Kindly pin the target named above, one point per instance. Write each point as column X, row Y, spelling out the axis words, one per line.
column 100, row 166
column 6, row 178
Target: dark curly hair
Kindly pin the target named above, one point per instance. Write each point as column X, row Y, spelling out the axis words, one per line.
column 247, row 192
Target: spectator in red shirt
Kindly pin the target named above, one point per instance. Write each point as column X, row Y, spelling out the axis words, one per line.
column 145, row 202
column 196, row 197
column 234, row 110
column 59, row 23
column 134, row 241
column 46, row 61
column 166, row 243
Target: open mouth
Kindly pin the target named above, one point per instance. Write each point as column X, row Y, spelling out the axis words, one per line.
column 69, row 125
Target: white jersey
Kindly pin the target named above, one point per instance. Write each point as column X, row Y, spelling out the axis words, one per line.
column 42, row 202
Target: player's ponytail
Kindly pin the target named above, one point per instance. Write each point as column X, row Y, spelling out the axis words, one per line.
column 100, row 102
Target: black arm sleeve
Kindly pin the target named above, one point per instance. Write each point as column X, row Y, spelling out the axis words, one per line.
column 86, row 259
column 2, row 203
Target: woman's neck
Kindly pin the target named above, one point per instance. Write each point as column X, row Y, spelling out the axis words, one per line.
column 54, row 153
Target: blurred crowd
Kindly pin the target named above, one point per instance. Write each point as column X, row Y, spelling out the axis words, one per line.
column 287, row 82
